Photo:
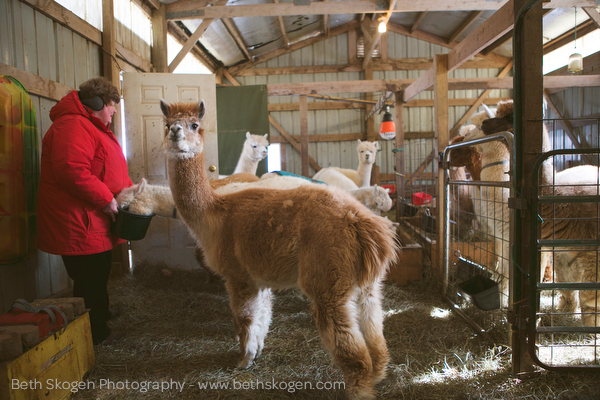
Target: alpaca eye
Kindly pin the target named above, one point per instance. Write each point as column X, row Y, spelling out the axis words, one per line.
column 254, row 146
column 194, row 126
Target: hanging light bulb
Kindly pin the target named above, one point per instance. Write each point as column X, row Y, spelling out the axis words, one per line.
column 388, row 127
column 382, row 28
column 575, row 60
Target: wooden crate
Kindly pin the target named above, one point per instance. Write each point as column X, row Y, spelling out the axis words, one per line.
column 410, row 262
column 62, row 357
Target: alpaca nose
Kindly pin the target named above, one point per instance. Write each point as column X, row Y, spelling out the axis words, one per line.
column 176, row 133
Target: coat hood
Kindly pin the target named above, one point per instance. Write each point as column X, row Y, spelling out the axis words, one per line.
column 71, row 105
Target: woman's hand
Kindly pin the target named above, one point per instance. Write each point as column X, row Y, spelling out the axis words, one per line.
column 111, row 209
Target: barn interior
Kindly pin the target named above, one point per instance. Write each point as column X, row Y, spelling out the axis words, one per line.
column 474, row 306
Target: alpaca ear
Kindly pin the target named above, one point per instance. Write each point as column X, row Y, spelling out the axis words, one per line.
column 201, row 110
column 266, row 136
column 247, row 135
column 165, row 108
column 139, row 188
column 387, row 190
column 377, row 145
column 375, row 189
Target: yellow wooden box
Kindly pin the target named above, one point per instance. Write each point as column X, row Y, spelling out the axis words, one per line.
column 52, row 370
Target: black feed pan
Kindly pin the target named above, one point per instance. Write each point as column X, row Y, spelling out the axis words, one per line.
column 481, row 291
column 130, row 226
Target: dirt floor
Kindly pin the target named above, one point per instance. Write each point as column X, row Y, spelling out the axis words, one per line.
column 180, row 344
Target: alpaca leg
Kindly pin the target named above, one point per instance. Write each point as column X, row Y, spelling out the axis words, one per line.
column 250, row 319
column 589, row 300
column 337, row 324
column 370, row 320
column 564, row 271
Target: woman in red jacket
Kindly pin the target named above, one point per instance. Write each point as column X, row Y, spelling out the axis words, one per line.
column 82, row 169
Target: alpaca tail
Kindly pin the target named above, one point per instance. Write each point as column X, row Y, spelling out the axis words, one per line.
column 380, row 249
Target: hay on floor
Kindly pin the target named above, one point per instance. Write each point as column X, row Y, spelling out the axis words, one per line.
column 179, row 331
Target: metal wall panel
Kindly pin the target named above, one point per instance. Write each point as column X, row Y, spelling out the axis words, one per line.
column 34, row 43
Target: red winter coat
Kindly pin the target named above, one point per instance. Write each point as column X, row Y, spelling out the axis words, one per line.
column 83, row 168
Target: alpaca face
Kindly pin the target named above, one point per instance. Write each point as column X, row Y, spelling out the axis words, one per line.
column 127, row 195
column 383, row 200
column 184, row 137
column 367, row 151
column 256, row 146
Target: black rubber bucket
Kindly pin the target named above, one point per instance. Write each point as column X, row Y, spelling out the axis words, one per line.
column 481, row 291
column 130, row 226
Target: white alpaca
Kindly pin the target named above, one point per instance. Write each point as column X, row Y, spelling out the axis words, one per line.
column 333, row 177
column 318, row 239
column 146, row 199
column 254, row 150
column 376, row 198
column 367, row 153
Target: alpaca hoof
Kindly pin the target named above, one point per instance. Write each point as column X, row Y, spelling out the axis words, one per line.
column 246, row 362
column 356, row 393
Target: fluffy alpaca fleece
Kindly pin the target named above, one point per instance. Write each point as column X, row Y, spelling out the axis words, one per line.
column 335, row 178
column 318, row 239
column 367, row 153
column 565, row 221
column 376, row 198
column 254, row 150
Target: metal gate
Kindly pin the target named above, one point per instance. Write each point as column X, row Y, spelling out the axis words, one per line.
column 564, row 322
column 476, row 278
column 561, row 334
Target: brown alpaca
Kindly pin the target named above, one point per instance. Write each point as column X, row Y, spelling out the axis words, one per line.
column 318, row 239
column 564, row 221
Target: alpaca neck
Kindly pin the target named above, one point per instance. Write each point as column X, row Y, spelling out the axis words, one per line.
column 364, row 174
column 190, row 187
column 246, row 164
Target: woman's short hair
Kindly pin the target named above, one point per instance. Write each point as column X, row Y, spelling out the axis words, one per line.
column 100, row 87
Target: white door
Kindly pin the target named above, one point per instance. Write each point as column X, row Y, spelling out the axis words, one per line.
column 167, row 240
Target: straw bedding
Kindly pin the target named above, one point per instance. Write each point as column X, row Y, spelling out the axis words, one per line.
column 179, row 329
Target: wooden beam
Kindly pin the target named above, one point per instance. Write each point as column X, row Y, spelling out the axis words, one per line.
column 478, row 102
column 159, row 40
column 593, row 14
column 464, row 25
column 565, row 123
column 191, row 42
column 550, row 82
column 154, row 4
column 196, row 10
column 296, row 46
column 181, row 36
column 399, row 176
column 304, row 134
column 348, row 137
column 377, row 37
column 286, row 39
column 36, row 85
column 494, row 27
column 415, row 24
column 567, row 37
column 132, row 58
column 109, row 63
column 292, row 141
column 440, row 112
column 237, row 37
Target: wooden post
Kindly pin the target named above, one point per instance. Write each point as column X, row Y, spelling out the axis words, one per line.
column 399, row 153
column 304, row 134
column 528, row 146
column 159, row 40
column 111, row 72
column 440, row 111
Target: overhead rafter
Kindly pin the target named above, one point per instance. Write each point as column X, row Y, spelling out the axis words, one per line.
column 282, row 27
column 567, row 37
column 415, row 24
column 191, row 42
column 326, row 23
column 593, row 14
column 189, row 9
column 377, row 37
column 465, row 25
column 493, row 28
column 237, row 37
column 181, row 36
column 298, row 45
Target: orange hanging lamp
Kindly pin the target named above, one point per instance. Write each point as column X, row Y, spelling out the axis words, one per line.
column 388, row 127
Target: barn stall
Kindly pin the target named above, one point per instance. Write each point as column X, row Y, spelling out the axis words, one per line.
column 316, row 125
